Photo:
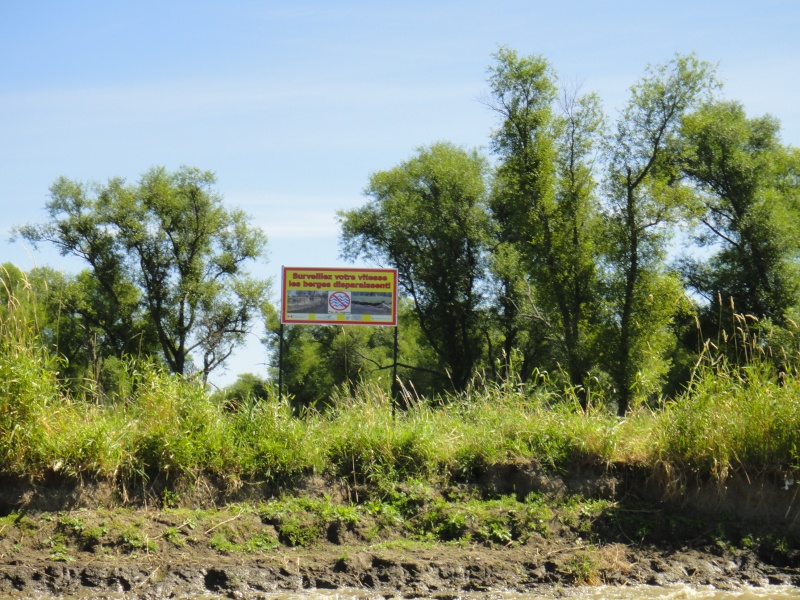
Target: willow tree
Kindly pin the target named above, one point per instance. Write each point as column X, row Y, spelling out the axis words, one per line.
column 748, row 185
column 427, row 218
column 165, row 258
column 643, row 200
column 545, row 209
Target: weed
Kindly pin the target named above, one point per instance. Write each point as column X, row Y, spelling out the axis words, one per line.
column 173, row 536
column 733, row 417
column 135, row 540
column 59, row 550
column 261, row 542
column 220, row 542
column 60, row 553
column 295, row 532
column 583, row 567
column 170, row 499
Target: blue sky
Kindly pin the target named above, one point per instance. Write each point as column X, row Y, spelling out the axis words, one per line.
column 294, row 104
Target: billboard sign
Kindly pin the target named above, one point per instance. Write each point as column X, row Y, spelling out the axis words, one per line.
column 338, row 296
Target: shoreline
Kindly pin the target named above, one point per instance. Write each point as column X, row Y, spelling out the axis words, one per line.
column 576, row 529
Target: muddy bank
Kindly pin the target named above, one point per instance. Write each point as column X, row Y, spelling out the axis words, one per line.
column 512, row 528
column 439, row 572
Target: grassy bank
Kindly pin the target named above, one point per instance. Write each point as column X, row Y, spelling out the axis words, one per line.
column 155, row 425
column 731, row 420
column 432, row 475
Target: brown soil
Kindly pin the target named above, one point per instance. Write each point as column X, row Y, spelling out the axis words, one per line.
column 64, row 538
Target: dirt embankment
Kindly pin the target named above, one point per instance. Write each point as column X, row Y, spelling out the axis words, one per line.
column 512, row 529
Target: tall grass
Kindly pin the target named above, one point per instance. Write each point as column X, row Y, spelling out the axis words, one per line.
column 29, row 388
column 733, row 418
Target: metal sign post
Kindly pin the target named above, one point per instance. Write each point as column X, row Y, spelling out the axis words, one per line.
column 339, row 296
column 280, row 362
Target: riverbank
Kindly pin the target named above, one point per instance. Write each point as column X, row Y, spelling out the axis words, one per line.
column 514, row 528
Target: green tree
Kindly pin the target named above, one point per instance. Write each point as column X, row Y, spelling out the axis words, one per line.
column 319, row 360
column 166, row 259
column 546, row 212
column 243, row 393
column 748, row 186
column 427, row 217
column 642, row 201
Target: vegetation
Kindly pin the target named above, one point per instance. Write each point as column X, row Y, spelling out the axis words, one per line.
column 541, row 321
column 166, row 268
column 428, row 219
column 732, row 418
column 561, row 263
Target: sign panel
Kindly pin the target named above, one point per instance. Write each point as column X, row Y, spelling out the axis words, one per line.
column 339, row 296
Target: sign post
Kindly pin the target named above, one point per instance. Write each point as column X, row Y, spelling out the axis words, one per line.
column 338, row 296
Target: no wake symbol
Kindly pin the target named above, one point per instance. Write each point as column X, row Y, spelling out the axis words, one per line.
column 339, row 301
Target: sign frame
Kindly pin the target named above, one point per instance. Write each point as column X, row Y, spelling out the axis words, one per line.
column 349, row 296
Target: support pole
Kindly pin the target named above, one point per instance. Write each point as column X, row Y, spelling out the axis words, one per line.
column 280, row 362
column 395, row 383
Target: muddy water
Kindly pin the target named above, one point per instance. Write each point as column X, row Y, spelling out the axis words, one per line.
column 584, row 593
column 597, row 593
column 581, row 593
column 681, row 592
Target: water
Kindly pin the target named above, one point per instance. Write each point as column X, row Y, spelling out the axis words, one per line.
column 677, row 592
column 580, row 593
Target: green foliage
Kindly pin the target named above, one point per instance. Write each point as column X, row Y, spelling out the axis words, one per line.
column 427, row 218
column 133, row 540
column 247, row 390
column 642, row 204
column 321, row 359
column 166, row 265
column 584, row 568
column 173, row 536
column 301, row 521
column 734, row 417
column 536, row 294
column 748, row 212
column 493, row 522
column 731, row 419
column 29, row 388
column 546, row 216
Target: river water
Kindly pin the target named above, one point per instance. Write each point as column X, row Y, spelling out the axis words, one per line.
column 678, row 592
column 579, row 593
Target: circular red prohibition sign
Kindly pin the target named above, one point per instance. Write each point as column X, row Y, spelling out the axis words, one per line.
column 339, row 301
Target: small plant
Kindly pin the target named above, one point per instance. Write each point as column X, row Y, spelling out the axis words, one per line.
column 58, row 548
column 496, row 531
column 92, row 536
column 261, row 542
column 173, row 536
column 87, row 537
column 583, row 568
column 60, row 553
column 295, row 532
column 386, row 515
column 220, row 542
column 71, row 525
column 170, row 499
column 134, row 540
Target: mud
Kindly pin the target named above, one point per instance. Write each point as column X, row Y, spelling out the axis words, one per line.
column 439, row 572
column 74, row 539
